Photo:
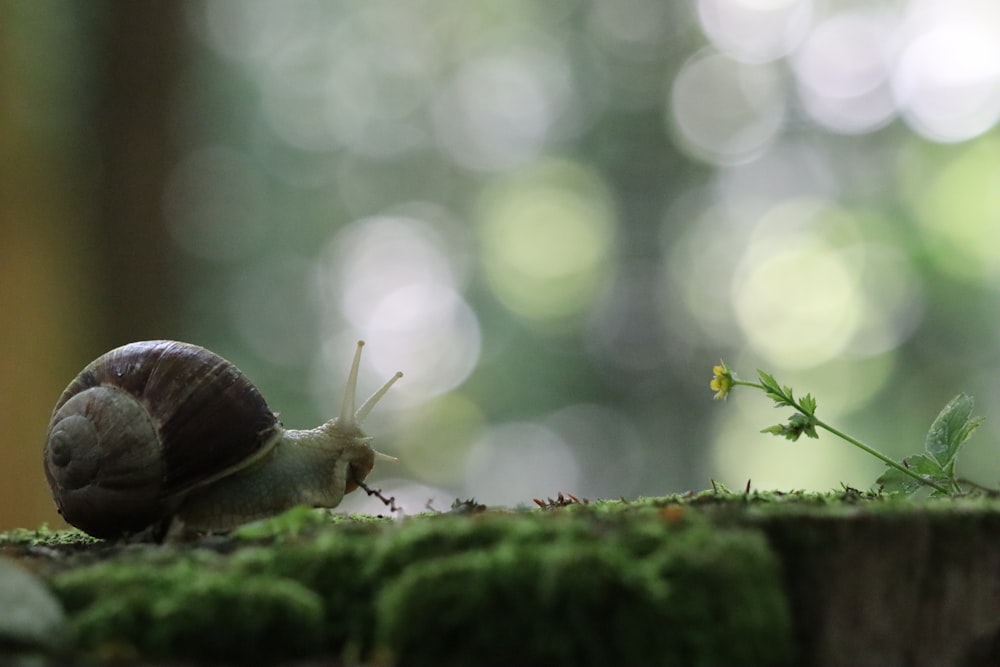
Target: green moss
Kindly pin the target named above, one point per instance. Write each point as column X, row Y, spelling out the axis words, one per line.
column 438, row 536
column 297, row 521
column 728, row 605
column 45, row 536
column 514, row 606
column 684, row 579
column 630, row 594
column 300, row 521
column 590, row 586
column 190, row 612
column 335, row 567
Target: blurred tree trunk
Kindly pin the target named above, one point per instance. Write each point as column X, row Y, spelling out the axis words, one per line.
column 137, row 83
column 84, row 104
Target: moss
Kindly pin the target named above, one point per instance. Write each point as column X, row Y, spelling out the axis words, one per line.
column 297, row 521
column 550, row 606
column 300, row 521
column 609, row 584
column 45, row 536
column 598, row 597
column 694, row 579
column 335, row 568
column 438, row 536
column 190, row 612
column 728, row 603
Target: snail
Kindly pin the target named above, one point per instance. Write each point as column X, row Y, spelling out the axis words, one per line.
column 162, row 436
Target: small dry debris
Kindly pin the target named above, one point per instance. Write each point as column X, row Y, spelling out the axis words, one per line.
column 561, row 500
column 389, row 502
column 468, row 506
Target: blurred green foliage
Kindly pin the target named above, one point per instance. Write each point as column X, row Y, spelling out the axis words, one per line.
column 553, row 217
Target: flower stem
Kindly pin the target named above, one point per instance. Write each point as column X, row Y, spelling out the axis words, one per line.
column 882, row 457
column 854, row 441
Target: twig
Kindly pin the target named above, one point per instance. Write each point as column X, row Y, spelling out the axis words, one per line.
column 389, row 502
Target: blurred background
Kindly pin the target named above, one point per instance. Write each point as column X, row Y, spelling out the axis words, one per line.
column 554, row 217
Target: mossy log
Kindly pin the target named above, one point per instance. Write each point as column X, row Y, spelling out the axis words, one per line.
column 709, row 579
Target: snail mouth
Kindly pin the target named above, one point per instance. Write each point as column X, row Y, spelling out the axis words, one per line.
column 359, row 469
column 355, row 477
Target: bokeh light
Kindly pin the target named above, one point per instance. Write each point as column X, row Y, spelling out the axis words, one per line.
column 478, row 204
column 515, row 462
column 501, row 109
column 726, row 111
column 947, row 80
column 843, row 71
column 775, row 463
column 546, row 238
column 607, row 447
column 554, row 218
column 957, row 203
column 796, row 301
column 434, row 441
column 810, row 289
column 397, row 282
column 755, row 30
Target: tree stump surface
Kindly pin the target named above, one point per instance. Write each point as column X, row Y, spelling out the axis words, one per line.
column 716, row 578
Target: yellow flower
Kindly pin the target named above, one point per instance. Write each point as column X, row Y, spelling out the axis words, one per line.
column 722, row 380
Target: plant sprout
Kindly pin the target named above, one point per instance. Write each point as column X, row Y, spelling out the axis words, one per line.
column 934, row 468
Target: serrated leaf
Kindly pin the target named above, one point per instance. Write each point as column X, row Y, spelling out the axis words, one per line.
column 773, row 389
column 923, row 465
column 892, row 481
column 895, row 481
column 798, row 424
column 808, row 404
column 769, row 383
column 803, row 424
column 952, row 427
column 783, row 430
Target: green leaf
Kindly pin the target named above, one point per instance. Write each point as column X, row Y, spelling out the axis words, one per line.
column 803, row 424
column 778, row 429
column 953, row 426
column 798, row 424
column 809, row 405
column 766, row 378
column 770, row 384
column 895, row 481
column 781, row 397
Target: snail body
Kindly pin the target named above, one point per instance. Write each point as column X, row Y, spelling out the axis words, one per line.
column 157, row 435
